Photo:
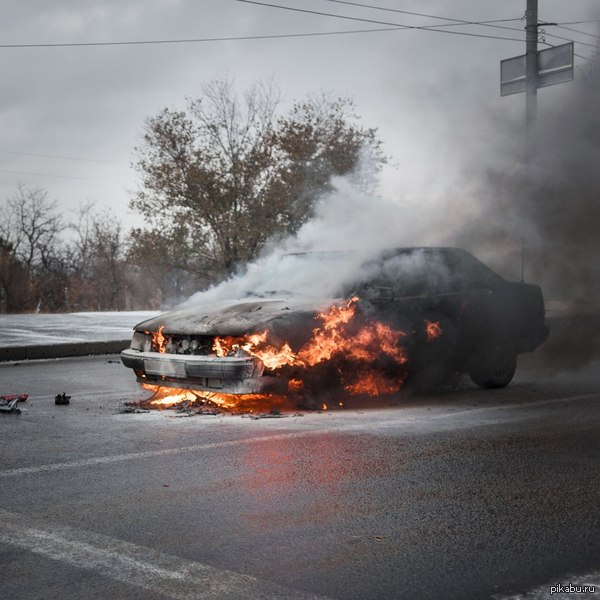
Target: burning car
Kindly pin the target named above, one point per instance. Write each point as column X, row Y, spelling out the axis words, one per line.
column 361, row 326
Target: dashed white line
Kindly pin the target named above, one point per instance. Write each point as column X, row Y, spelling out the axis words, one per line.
column 101, row 460
column 128, row 563
column 367, row 425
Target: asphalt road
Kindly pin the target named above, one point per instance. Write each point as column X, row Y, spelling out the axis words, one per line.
column 456, row 495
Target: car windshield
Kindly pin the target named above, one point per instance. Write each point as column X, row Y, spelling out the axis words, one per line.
column 411, row 272
column 342, row 274
column 316, row 274
column 408, row 271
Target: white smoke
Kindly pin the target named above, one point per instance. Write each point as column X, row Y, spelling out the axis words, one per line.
column 347, row 220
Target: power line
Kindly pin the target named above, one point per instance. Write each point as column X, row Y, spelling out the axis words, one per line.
column 62, row 176
column 108, row 162
column 570, row 40
column 450, row 21
column 196, row 40
column 238, row 38
column 580, row 32
column 433, row 28
column 416, row 14
column 584, row 57
column 394, row 27
column 578, row 22
column 425, row 27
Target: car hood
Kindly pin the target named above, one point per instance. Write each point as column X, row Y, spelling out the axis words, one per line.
column 237, row 317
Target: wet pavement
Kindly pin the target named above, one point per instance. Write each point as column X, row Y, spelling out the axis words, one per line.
column 456, row 495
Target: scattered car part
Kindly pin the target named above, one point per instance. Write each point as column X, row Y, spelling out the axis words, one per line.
column 19, row 397
column 10, row 406
column 62, row 399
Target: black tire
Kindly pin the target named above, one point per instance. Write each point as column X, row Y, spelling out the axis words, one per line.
column 494, row 367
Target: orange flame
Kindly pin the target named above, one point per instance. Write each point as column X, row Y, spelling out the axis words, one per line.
column 330, row 339
column 372, row 383
column 359, row 349
column 272, row 357
column 295, row 385
column 433, row 330
column 166, row 397
column 159, row 341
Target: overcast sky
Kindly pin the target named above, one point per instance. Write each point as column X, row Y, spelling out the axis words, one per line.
column 71, row 116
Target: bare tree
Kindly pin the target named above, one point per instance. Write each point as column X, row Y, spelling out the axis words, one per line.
column 108, row 254
column 96, row 261
column 231, row 174
column 15, row 282
column 166, row 264
column 319, row 139
column 30, row 232
column 32, row 225
column 41, row 269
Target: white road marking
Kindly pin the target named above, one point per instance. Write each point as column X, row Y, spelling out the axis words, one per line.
column 569, row 587
column 367, row 425
column 143, row 567
column 101, row 460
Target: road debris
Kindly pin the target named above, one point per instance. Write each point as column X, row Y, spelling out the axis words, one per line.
column 273, row 414
column 126, row 410
column 11, row 397
column 183, row 409
column 10, row 406
column 61, row 399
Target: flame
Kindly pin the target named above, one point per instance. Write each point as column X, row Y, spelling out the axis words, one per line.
column 372, row 383
column 433, row 330
column 272, row 357
column 328, row 340
column 358, row 352
column 159, row 341
column 167, row 397
column 295, row 385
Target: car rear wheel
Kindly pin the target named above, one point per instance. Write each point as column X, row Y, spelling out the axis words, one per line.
column 494, row 367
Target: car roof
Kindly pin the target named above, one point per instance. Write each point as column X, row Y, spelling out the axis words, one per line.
column 384, row 251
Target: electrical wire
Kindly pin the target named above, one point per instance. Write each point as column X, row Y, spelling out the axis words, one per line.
column 107, row 162
column 559, row 37
column 577, row 22
column 435, row 28
column 392, row 27
column 585, row 57
column 450, row 21
column 63, row 176
column 197, row 40
column 400, row 26
column 416, row 14
column 580, row 32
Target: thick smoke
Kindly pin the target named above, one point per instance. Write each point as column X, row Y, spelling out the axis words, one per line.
column 544, row 193
column 546, row 197
column 345, row 220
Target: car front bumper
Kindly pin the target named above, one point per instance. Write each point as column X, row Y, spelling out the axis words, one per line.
column 229, row 374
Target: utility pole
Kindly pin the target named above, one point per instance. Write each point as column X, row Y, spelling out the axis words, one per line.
column 531, row 64
column 535, row 69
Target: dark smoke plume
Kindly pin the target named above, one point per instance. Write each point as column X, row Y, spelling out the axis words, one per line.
column 549, row 197
column 546, row 194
